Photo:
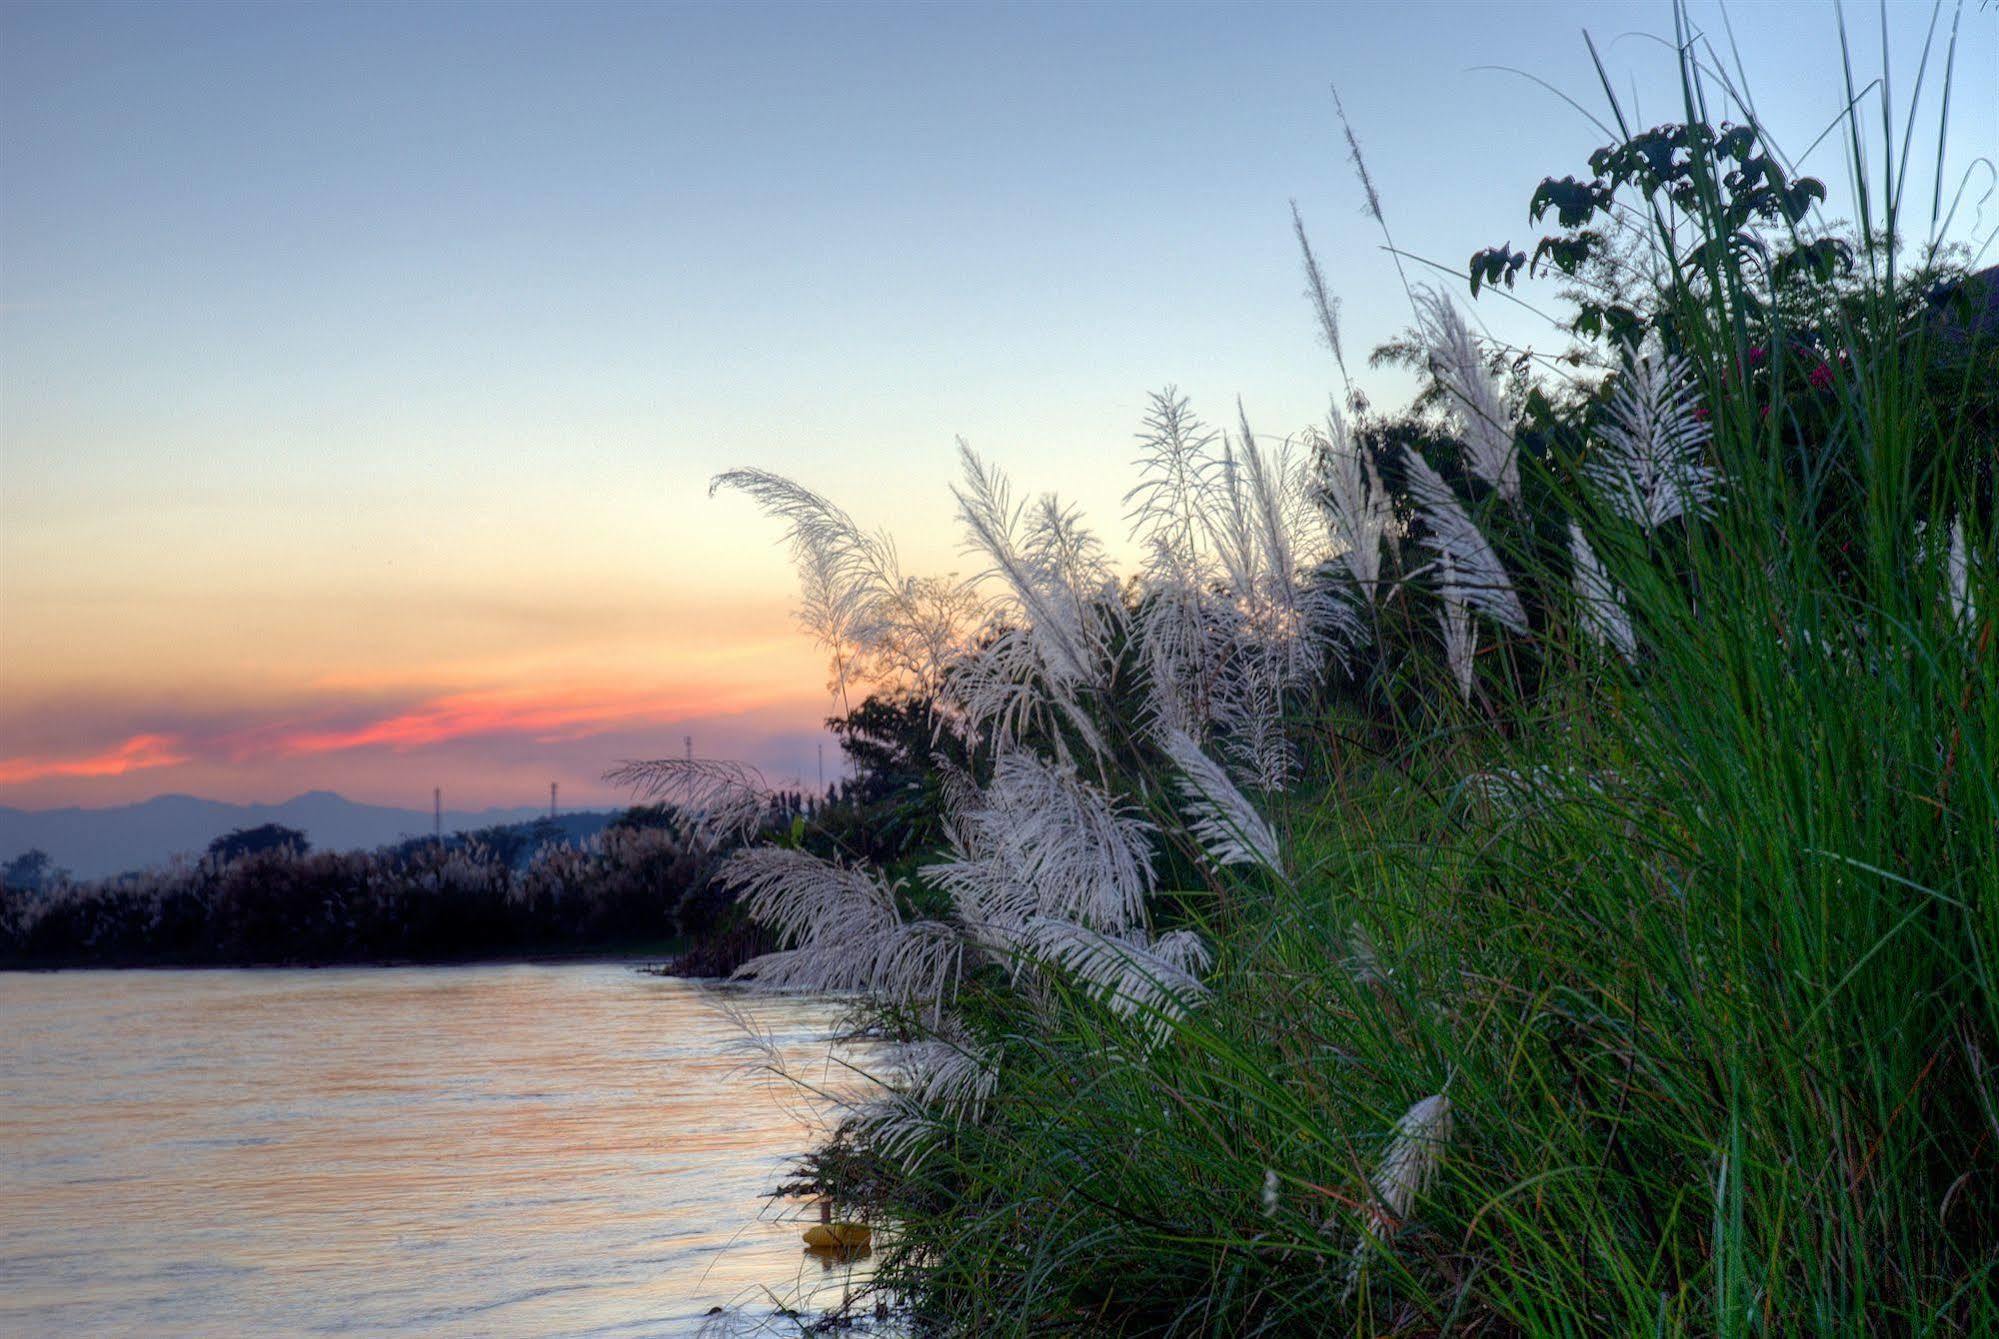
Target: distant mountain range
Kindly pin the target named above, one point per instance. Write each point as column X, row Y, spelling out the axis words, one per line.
column 92, row 843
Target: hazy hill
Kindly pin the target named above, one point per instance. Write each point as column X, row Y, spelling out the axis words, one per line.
column 91, row 843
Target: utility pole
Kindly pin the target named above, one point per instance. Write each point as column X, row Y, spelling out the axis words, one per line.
column 822, row 767
column 551, row 801
column 437, row 814
column 688, row 741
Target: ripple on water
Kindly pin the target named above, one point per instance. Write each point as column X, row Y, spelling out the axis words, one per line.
column 506, row 1150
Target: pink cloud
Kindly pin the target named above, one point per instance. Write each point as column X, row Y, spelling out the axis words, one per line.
column 547, row 717
column 135, row 754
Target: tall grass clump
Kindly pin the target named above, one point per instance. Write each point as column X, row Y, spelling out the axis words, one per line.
column 1527, row 866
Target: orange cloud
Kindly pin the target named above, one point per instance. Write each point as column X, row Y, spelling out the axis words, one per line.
column 135, row 754
column 548, row 717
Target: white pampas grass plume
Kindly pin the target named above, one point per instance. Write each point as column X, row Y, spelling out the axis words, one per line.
column 1236, row 609
column 1359, row 160
column 1175, row 455
column 1604, row 617
column 844, row 928
column 1050, row 567
column 1357, row 507
column 1085, row 857
column 847, row 572
column 1406, row 1170
column 950, row 1076
column 1476, row 405
column 880, row 625
column 899, row 1127
column 1957, row 564
column 944, row 1081
column 720, row 799
column 1225, row 823
column 1460, row 637
column 1651, row 468
column 1185, row 950
column 1411, row 1160
column 1133, row 981
column 1324, row 305
column 1475, row 574
column 1269, row 1192
column 1049, row 635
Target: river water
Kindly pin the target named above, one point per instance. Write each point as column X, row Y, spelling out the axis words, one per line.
column 489, row 1150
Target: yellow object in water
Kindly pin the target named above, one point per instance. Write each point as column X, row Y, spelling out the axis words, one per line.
column 844, row 1236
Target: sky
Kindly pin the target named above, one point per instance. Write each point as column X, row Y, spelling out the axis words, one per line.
column 363, row 367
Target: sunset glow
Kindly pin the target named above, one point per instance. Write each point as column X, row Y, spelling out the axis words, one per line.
column 135, row 754
column 365, row 368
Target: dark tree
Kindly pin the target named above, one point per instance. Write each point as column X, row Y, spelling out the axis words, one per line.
column 890, row 742
column 30, row 872
column 255, row 841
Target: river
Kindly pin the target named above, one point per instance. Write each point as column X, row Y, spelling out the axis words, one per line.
column 514, row 1149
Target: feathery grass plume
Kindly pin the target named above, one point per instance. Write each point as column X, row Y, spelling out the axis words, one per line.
column 719, row 799
column 989, row 899
column 1269, row 1192
column 949, row 1075
column 1175, row 455
column 851, row 578
column 1604, row 617
column 1085, row 857
column 1039, row 841
column 1270, row 543
column 911, row 962
column 1362, row 962
column 1183, row 640
column 1324, row 304
column 1049, row 634
column 899, row 1127
column 1359, row 161
column 1249, row 711
column 1185, row 950
column 1651, row 469
column 1235, row 613
column 1051, row 568
column 1225, row 823
column 1287, row 615
column 1460, row 637
column 1957, row 565
column 1474, row 574
column 1357, row 507
column 1406, row 1170
column 881, row 626
column 1180, row 632
column 1513, row 790
column 1476, row 405
column 1135, row 982
column 939, row 1082
column 844, row 927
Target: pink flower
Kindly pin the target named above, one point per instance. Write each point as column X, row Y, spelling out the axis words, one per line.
column 1757, row 355
column 1821, row 376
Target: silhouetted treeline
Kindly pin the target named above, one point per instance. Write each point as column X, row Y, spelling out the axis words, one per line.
column 637, row 884
column 642, row 883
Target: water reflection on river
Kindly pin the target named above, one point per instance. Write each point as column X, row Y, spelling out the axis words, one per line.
column 505, row 1150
